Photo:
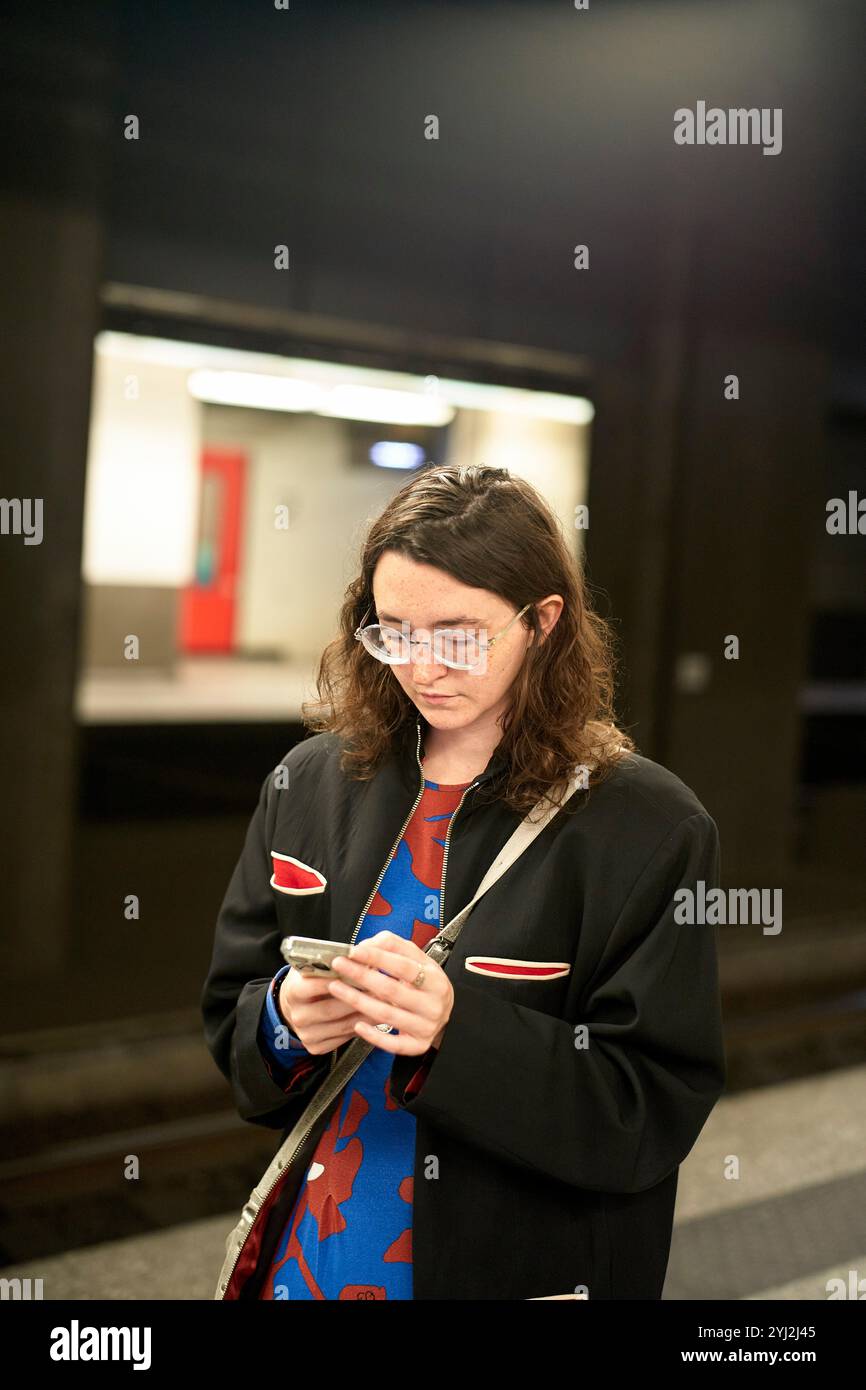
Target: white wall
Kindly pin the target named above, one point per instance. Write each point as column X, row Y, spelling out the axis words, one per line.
column 141, row 497
column 552, row 456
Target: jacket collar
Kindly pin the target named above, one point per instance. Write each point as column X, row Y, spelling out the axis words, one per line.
column 415, row 750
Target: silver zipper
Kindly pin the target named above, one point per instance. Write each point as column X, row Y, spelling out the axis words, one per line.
column 445, row 855
column 400, row 835
column 285, row 1164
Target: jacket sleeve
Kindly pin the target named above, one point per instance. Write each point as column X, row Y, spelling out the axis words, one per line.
column 245, row 958
column 617, row 1105
column 287, row 1059
column 281, row 1045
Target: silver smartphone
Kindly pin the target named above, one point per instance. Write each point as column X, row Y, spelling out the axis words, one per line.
column 312, row 956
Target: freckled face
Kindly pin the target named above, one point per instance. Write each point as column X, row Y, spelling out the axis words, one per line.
column 427, row 598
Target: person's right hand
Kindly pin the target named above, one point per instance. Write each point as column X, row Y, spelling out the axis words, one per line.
column 318, row 1019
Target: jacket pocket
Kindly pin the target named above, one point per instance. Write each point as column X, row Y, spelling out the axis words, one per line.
column 512, row 968
column 292, row 875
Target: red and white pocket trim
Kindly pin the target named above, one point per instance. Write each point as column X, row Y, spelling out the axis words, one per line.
column 291, row 875
column 507, row 968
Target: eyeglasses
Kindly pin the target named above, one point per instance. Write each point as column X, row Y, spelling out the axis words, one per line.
column 462, row 648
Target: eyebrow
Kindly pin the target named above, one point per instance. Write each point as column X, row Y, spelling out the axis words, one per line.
column 440, row 622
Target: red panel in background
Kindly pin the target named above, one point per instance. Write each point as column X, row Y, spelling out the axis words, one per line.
column 207, row 608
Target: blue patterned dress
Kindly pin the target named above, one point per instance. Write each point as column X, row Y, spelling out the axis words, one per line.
column 349, row 1234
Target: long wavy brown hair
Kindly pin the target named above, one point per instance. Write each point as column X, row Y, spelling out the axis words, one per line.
column 489, row 530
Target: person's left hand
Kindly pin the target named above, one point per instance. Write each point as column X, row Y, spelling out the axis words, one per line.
column 420, row 1014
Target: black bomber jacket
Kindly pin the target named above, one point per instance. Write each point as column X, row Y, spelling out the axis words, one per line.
column 556, row 1146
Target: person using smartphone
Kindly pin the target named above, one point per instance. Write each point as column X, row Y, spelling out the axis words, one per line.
column 517, row 1128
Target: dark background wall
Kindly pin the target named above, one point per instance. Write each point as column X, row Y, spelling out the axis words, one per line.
column 306, row 127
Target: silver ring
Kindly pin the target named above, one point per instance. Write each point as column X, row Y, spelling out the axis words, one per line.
column 384, row 1027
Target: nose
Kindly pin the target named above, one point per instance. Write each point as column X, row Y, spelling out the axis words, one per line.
column 427, row 670
column 424, row 662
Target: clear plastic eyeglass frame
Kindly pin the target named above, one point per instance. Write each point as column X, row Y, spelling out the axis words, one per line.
column 450, row 646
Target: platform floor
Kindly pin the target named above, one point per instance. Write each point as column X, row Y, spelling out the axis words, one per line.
column 793, row 1219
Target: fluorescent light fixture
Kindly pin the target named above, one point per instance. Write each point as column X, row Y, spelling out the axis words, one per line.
column 389, row 407
column 256, row 390
column 512, row 400
column 396, row 453
column 343, row 402
column 232, row 376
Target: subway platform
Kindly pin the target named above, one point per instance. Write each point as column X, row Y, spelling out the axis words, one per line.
column 789, row 1224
